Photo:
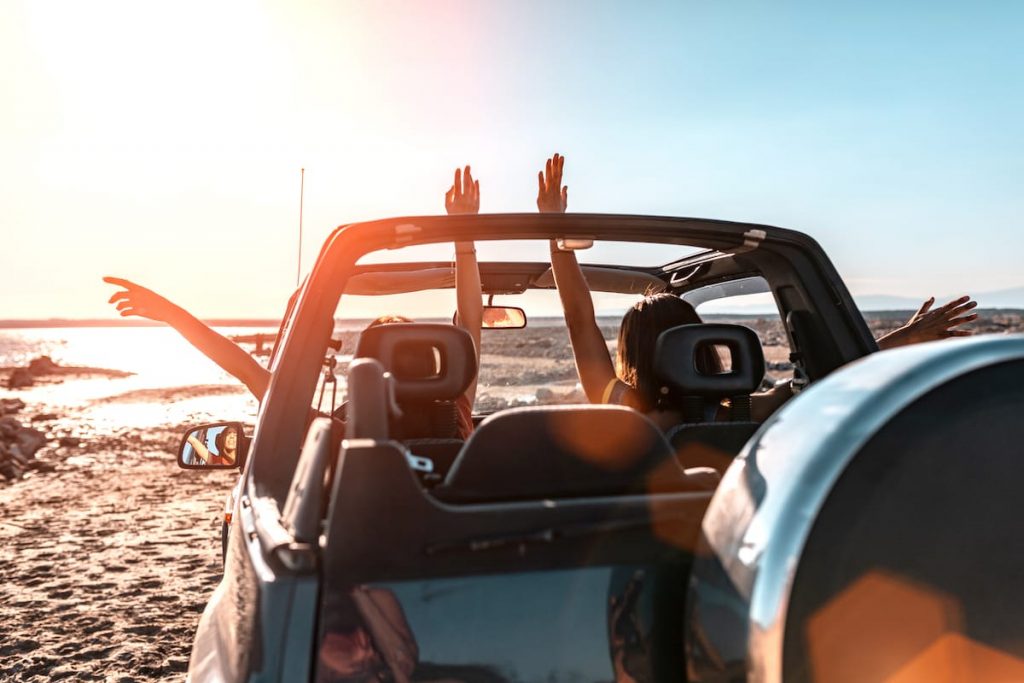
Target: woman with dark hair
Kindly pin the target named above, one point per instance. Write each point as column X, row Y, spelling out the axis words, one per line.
column 226, row 443
column 630, row 380
column 634, row 355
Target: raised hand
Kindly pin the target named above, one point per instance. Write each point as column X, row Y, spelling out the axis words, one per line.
column 463, row 197
column 135, row 299
column 930, row 325
column 551, row 199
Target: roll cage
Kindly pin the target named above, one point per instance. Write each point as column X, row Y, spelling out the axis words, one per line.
column 825, row 328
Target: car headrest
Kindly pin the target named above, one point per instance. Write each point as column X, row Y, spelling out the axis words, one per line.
column 679, row 352
column 429, row 361
column 562, row 452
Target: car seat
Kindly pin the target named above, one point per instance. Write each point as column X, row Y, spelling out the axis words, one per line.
column 433, row 365
column 700, row 441
column 541, row 452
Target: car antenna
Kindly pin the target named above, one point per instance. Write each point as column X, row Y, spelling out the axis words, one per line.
column 302, row 190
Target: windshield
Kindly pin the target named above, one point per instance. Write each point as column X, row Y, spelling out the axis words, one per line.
column 528, row 366
column 534, row 365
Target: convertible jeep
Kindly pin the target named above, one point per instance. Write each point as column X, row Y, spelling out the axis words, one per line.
column 865, row 531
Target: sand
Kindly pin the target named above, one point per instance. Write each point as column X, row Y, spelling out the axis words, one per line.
column 107, row 562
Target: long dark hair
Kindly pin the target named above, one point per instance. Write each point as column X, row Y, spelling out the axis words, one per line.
column 221, row 439
column 638, row 334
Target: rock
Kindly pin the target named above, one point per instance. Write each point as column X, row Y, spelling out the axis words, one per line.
column 43, row 365
column 19, row 379
column 9, row 471
column 42, row 466
column 9, row 406
column 9, row 427
column 17, row 457
column 45, row 417
column 545, row 395
column 70, row 441
column 30, row 440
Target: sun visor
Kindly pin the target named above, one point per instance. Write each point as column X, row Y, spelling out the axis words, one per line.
column 615, row 280
column 400, row 282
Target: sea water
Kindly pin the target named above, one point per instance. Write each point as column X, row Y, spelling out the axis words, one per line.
column 171, row 381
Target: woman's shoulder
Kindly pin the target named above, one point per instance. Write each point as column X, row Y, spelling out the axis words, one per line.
column 618, row 393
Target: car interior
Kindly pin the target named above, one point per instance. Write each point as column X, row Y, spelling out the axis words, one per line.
column 543, row 494
column 434, row 362
column 552, row 502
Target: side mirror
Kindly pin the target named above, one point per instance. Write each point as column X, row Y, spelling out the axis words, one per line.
column 499, row 318
column 220, row 445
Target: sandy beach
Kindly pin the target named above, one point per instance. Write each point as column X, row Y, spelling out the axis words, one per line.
column 107, row 562
column 108, row 551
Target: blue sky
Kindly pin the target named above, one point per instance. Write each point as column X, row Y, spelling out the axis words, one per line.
column 136, row 136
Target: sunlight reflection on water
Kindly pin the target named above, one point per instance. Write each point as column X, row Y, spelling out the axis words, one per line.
column 160, row 360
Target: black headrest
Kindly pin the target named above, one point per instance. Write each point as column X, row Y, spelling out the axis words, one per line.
column 562, row 452
column 677, row 360
column 428, row 361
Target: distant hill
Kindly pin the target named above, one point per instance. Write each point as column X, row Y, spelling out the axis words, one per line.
column 1000, row 298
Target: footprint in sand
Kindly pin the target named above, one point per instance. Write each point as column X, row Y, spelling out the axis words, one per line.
column 145, row 630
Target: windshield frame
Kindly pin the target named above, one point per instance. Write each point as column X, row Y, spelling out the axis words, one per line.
column 795, row 257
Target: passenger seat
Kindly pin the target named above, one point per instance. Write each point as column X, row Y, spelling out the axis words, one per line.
column 433, row 365
column 699, row 442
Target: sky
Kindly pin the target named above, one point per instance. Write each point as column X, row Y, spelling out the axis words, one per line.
column 164, row 142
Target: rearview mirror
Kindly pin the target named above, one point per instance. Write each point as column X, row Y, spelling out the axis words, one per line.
column 220, row 445
column 573, row 243
column 499, row 318
column 503, row 318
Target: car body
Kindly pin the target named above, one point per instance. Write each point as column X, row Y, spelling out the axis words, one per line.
column 343, row 563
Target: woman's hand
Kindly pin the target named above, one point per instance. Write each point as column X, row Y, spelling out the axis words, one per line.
column 137, row 300
column 930, row 325
column 549, row 198
column 463, row 197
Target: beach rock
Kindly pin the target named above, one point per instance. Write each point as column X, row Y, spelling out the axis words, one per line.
column 43, row 365
column 9, row 406
column 42, row 466
column 9, row 427
column 45, row 417
column 30, row 440
column 9, row 469
column 16, row 456
column 69, row 441
column 19, row 379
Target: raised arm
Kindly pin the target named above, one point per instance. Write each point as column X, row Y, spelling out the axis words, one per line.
column 463, row 197
column 202, row 452
column 593, row 363
column 135, row 299
column 929, row 325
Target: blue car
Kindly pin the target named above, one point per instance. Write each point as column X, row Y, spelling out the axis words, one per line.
column 866, row 530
